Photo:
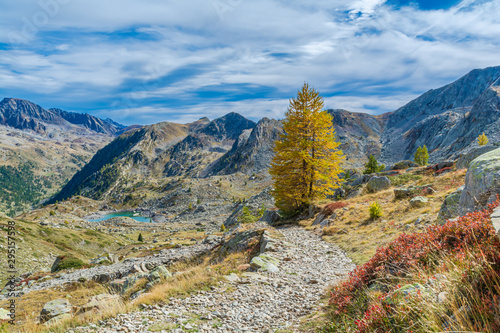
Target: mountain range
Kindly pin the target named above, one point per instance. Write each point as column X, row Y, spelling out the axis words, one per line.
column 447, row 120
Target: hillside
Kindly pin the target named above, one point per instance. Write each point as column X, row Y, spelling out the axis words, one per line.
column 40, row 150
column 447, row 120
column 147, row 155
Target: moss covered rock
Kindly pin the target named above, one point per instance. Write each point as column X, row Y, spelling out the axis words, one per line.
column 482, row 182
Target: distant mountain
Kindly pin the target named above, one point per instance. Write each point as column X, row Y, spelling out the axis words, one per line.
column 24, row 115
column 153, row 152
column 41, row 149
column 90, row 122
column 359, row 134
column 252, row 151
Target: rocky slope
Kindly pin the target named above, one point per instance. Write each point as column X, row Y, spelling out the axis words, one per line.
column 359, row 134
column 252, row 151
column 447, row 120
column 104, row 126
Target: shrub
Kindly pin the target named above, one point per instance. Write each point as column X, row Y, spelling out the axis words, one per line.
column 332, row 207
column 443, row 170
column 482, row 140
column 403, row 179
column 52, row 213
column 372, row 166
column 375, row 211
column 469, row 241
column 248, row 217
column 67, row 262
column 223, row 228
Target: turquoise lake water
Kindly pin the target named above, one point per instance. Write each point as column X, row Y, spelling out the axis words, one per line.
column 127, row 214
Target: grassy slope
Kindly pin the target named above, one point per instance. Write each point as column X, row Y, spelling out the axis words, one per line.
column 359, row 236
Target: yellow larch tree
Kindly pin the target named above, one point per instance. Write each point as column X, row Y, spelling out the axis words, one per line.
column 307, row 160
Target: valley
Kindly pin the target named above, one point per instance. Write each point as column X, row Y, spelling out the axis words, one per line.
column 194, row 241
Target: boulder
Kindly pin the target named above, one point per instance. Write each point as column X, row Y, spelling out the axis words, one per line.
column 361, row 180
column 265, row 262
column 408, row 290
column 376, row 184
column 418, row 202
column 482, row 182
column 55, row 308
column 213, row 240
column 271, row 216
column 104, row 259
column 410, row 191
column 268, row 244
column 4, row 314
column 99, row 302
column 103, row 278
column 122, row 286
column 451, row 207
column 241, row 240
column 159, row 273
column 495, row 220
column 464, row 161
column 401, row 165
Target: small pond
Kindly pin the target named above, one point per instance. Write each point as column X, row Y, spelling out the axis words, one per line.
column 132, row 215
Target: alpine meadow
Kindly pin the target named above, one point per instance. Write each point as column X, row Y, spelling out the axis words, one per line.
column 249, row 166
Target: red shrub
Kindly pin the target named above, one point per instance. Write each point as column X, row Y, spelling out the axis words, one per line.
column 419, row 250
column 443, row 170
column 331, row 207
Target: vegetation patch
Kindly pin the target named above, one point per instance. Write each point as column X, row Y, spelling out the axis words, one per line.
column 394, row 290
column 67, row 262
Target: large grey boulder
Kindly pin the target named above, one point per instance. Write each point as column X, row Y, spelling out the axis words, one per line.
column 55, row 308
column 464, row 161
column 451, row 205
column 482, row 181
column 376, row 184
column 270, row 216
column 418, row 202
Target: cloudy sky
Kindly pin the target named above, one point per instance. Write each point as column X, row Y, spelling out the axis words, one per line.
column 164, row 60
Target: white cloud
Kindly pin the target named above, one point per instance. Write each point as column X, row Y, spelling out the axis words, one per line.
column 120, row 50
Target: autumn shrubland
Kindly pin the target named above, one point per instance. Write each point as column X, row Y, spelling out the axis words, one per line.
column 443, row 278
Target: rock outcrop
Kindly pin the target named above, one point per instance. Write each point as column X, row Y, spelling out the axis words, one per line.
column 482, row 182
column 376, row 184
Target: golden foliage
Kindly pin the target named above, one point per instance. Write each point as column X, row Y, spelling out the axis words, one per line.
column 482, row 140
column 307, row 160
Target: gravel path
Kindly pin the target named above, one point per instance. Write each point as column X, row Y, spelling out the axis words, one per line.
column 256, row 302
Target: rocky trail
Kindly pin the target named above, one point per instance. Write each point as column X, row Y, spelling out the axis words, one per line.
column 250, row 302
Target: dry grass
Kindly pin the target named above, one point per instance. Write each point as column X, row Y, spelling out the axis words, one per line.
column 359, row 236
column 193, row 276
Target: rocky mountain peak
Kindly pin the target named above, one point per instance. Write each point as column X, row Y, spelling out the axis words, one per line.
column 227, row 127
column 90, row 122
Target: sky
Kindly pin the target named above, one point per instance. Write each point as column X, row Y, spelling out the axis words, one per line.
column 142, row 62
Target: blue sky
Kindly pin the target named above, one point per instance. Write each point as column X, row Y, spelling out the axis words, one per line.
column 159, row 60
